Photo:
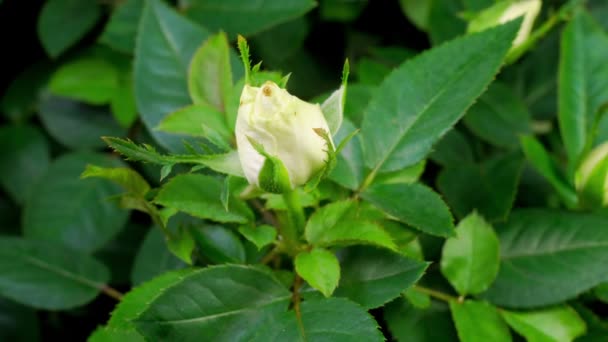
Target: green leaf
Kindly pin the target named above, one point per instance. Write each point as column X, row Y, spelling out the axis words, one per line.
column 121, row 30
column 413, row 204
column 20, row 99
column 261, row 236
column 105, row 334
column 559, row 324
column 333, row 107
column 59, row 116
column 541, row 161
column 182, row 244
column 127, row 178
column 122, row 103
column 153, row 258
column 328, row 319
column 478, row 321
column 408, row 323
column 62, row 23
column 417, row 12
column 583, row 82
column 199, row 196
column 166, row 42
column 489, row 187
column 542, row 250
column 349, row 170
column 48, row 276
column 453, row 150
column 410, row 111
column 74, row 212
column 90, row 80
column 24, row 158
column 320, row 269
column 219, row 244
column 408, row 175
column 210, row 75
column 236, row 17
column 499, row 116
column 221, row 303
column 418, row 299
column 338, row 224
column 470, row 260
column 201, row 120
column 372, row 276
column 18, row 322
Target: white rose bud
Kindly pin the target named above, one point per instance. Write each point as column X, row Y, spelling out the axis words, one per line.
column 285, row 126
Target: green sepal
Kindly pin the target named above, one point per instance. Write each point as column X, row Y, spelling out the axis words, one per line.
column 273, row 177
column 330, row 163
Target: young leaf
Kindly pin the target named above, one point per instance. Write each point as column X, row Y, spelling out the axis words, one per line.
column 373, row 276
column 478, row 321
column 74, row 212
column 129, row 179
column 62, row 23
column 560, row 323
column 412, row 110
column 541, row 250
column 166, row 42
column 91, row 80
column 48, row 276
column 191, row 120
column 320, row 269
column 199, row 196
column 583, row 83
column 337, row 223
column 413, row 204
column 261, row 236
column 237, row 17
column 121, row 30
column 208, row 303
column 470, row 260
column 210, row 75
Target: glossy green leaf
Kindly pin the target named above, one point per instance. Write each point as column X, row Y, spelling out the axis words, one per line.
column 349, row 170
column 331, row 319
column 478, row 321
column 122, row 103
column 320, row 269
column 219, row 244
column 417, row 11
column 221, row 303
column 559, row 324
column 470, row 260
column 210, row 76
column 153, row 258
column 60, row 116
column 542, row 162
column 499, row 116
column 24, row 158
column 127, row 178
column 90, row 80
column 62, row 23
column 407, row 323
column 71, row 211
column 236, row 17
column 48, row 276
column 583, row 82
column 261, row 236
column 413, row 204
column 201, row 120
column 338, row 223
column 417, row 299
column 165, row 45
column 411, row 111
column 372, row 276
column 276, row 45
column 489, row 187
column 542, row 250
column 199, row 196
column 121, row 30
column 105, row 334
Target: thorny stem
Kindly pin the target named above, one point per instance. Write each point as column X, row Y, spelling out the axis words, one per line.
column 111, row 292
column 297, row 283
